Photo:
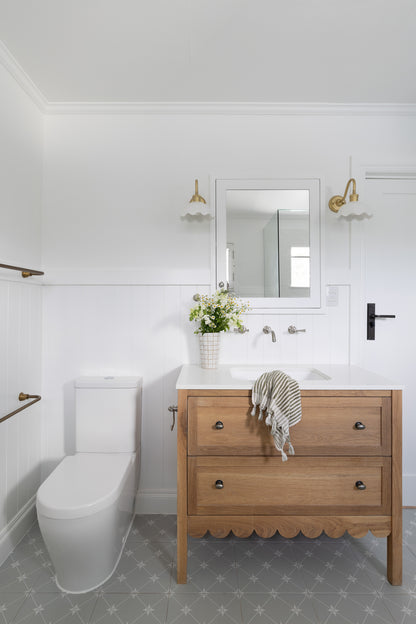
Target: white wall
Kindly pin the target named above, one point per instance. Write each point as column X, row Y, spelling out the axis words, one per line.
column 21, row 131
column 122, row 266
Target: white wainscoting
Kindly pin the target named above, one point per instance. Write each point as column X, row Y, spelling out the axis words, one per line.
column 20, row 435
column 144, row 330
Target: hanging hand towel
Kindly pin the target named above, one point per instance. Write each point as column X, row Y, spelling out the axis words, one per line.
column 278, row 395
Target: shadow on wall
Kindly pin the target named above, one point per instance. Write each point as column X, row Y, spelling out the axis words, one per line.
column 69, row 417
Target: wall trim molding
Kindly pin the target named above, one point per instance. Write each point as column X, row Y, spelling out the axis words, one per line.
column 230, row 108
column 196, row 108
column 161, row 501
column 126, row 277
column 13, row 532
column 23, row 80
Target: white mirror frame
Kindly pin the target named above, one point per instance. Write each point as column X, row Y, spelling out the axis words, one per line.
column 314, row 302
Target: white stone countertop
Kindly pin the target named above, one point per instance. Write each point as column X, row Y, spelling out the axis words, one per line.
column 310, row 377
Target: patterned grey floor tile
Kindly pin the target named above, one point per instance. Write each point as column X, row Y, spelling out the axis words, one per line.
column 33, row 535
column 349, row 608
column 264, row 569
column 56, row 608
column 373, row 558
column 232, row 568
column 146, row 568
column 332, row 568
column 277, row 608
column 9, row 606
column 211, row 567
column 132, row 608
column 402, row 608
column 204, row 609
column 153, row 527
column 11, row 578
column 41, row 579
column 32, row 560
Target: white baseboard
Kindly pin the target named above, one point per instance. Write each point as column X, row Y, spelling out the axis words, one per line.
column 156, row 502
column 13, row 532
column 409, row 490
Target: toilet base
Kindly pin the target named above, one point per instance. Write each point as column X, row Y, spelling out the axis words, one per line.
column 85, row 591
column 85, row 551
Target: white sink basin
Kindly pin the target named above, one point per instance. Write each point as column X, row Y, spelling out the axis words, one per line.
column 299, row 373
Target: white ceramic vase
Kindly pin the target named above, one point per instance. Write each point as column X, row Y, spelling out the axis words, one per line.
column 209, row 345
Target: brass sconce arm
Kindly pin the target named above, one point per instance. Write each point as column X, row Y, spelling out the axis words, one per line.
column 336, row 202
column 197, row 197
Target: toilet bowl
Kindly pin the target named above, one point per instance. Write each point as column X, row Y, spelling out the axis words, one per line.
column 86, row 506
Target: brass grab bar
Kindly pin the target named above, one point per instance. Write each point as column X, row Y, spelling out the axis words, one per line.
column 23, row 397
column 25, row 272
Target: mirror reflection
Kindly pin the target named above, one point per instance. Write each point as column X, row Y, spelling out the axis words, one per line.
column 268, row 242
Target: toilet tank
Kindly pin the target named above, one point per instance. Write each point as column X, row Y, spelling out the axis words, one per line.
column 108, row 414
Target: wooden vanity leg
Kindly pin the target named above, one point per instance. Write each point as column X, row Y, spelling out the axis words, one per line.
column 182, row 494
column 182, row 554
column 394, row 540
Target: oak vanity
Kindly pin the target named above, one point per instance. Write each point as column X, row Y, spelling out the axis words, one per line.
column 345, row 475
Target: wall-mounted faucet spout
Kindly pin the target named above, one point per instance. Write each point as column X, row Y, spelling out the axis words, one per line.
column 269, row 330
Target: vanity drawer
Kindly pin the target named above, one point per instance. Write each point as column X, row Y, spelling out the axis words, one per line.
column 330, row 425
column 343, row 425
column 301, row 485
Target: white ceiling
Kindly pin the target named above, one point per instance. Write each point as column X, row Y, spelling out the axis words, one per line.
column 334, row 51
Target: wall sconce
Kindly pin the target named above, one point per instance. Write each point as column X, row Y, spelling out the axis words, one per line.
column 354, row 208
column 197, row 205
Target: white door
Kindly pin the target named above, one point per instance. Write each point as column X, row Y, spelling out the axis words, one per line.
column 390, row 282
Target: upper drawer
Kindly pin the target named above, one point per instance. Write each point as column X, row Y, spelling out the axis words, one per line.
column 344, row 425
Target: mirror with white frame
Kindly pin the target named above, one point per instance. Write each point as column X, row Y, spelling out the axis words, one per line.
column 268, row 241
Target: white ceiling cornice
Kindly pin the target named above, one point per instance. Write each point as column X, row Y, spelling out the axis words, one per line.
column 229, row 108
column 24, row 81
column 195, row 108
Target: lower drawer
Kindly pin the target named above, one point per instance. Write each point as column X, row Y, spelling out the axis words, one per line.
column 301, row 485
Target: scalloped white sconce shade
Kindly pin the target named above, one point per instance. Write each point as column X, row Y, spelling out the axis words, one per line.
column 354, row 208
column 197, row 205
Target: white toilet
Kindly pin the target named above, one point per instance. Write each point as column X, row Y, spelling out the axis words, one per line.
column 86, row 506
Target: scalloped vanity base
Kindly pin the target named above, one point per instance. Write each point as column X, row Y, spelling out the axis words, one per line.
column 345, row 477
column 289, row 526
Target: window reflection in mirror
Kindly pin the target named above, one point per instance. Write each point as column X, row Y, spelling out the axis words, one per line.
column 267, row 243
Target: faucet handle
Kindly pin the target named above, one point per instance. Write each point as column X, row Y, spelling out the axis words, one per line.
column 268, row 330
column 241, row 330
column 292, row 330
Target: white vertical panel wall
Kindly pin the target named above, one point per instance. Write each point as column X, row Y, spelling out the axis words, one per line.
column 21, row 131
column 123, row 265
column 126, row 330
column 20, row 435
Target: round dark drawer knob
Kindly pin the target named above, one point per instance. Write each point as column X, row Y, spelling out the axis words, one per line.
column 359, row 425
column 360, row 485
column 219, row 425
column 219, row 484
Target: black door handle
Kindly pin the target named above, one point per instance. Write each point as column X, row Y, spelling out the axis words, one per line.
column 371, row 318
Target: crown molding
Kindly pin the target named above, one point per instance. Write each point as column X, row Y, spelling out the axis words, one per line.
column 195, row 108
column 229, row 108
column 23, row 80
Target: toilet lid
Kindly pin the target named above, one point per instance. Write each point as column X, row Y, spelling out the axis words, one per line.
column 82, row 484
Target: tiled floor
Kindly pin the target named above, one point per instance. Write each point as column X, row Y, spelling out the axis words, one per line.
column 231, row 581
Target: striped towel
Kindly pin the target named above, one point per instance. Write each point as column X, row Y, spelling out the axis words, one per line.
column 278, row 395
